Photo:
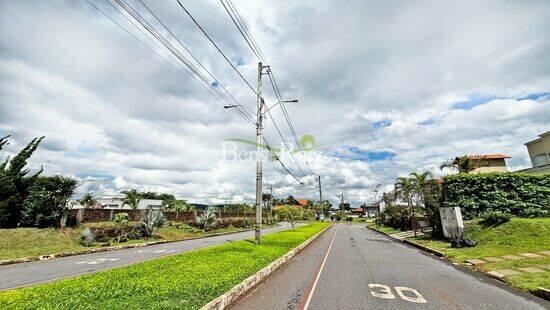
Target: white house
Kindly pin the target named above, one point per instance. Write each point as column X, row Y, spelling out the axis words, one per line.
column 116, row 203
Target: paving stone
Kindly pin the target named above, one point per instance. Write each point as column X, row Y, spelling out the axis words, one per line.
column 545, row 253
column 531, row 255
column 507, row 272
column 496, row 274
column 475, row 261
column 512, row 257
column 531, row 269
column 493, row 259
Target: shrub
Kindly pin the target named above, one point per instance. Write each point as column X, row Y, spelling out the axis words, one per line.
column 87, row 237
column 121, row 218
column 349, row 219
column 153, row 221
column 515, row 193
column 47, row 201
column 207, row 220
column 248, row 223
column 495, row 218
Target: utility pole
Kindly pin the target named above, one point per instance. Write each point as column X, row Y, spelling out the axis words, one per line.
column 320, row 190
column 259, row 161
column 270, row 201
column 342, row 200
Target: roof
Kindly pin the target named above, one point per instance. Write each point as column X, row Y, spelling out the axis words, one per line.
column 486, row 156
column 357, row 210
column 538, row 139
column 303, row 202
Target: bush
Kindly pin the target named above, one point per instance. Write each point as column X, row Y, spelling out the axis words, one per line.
column 153, row 221
column 121, row 218
column 47, row 201
column 495, row 218
column 349, row 219
column 207, row 220
column 514, row 193
column 87, row 237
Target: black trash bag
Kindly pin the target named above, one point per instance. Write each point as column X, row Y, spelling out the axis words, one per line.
column 462, row 242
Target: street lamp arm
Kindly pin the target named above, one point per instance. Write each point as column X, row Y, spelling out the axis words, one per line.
column 279, row 102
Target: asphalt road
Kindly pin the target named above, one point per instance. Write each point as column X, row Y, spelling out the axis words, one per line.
column 24, row 274
column 367, row 270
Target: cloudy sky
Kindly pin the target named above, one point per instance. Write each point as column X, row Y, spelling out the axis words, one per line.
column 384, row 87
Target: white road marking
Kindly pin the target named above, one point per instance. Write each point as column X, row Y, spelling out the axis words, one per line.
column 385, row 291
column 159, row 251
column 320, row 270
column 418, row 299
column 98, row 261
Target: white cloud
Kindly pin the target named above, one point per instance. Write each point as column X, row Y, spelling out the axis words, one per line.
column 116, row 116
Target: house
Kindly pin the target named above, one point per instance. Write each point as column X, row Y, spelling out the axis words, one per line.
column 357, row 211
column 116, row 203
column 372, row 210
column 487, row 162
column 539, row 153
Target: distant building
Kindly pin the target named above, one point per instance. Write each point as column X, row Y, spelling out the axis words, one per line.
column 116, row 203
column 539, row 153
column 357, row 211
column 372, row 210
column 488, row 162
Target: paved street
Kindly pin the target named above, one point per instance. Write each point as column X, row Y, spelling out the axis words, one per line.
column 367, row 270
column 43, row 271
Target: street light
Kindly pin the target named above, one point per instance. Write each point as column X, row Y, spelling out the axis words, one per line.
column 282, row 101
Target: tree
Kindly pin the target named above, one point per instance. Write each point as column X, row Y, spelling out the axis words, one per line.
column 88, row 200
column 344, row 206
column 291, row 214
column 266, row 198
column 463, row 164
column 15, row 183
column 132, row 198
column 208, row 219
column 47, row 203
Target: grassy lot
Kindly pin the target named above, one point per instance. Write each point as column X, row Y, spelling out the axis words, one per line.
column 31, row 242
column 386, row 229
column 184, row 281
column 520, row 235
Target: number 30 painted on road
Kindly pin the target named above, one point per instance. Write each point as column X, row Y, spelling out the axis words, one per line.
column 385, row 292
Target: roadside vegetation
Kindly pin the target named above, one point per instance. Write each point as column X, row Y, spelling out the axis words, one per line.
column 32, row 242
column 184, row 281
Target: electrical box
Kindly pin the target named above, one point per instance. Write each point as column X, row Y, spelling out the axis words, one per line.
column 451, row 220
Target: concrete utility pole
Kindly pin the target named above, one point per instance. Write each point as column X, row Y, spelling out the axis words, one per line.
column 270, row 201
column 259, row 161
column 320, row 190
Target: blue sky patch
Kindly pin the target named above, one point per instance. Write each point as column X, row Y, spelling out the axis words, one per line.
column 473, row 101
column 355, row 153
column 381, row 124
column 535, row 96
column 427, row 122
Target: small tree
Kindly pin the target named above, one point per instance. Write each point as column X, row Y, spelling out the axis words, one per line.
column 47, row 202
column 463, row 164
column 15, row 183
column 132, row 198
column 291, row 214
column 88, row 200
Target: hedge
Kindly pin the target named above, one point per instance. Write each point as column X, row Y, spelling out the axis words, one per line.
column 516, row 193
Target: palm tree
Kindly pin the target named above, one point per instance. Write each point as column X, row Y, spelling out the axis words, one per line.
column 420, row 184
column 132, row 198
column 404, row 189
column 88, row 200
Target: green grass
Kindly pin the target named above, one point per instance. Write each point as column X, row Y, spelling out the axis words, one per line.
column 32, row 242
column 520, row 235
column 184, row 281
column 386, row 229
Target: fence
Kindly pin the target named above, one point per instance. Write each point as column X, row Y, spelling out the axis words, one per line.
column 103, row 215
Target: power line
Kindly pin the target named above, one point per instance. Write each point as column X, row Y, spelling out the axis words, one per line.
column 238, row 24
column 216, row 46
column 245, row 28
column 192, row 55
column 195, row 73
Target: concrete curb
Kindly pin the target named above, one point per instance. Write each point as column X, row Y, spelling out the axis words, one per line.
column 106, row 249
column 416, row 245
column 222, row 301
